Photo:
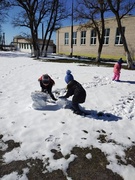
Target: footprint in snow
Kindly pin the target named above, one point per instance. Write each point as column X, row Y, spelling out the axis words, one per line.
column 126, row 107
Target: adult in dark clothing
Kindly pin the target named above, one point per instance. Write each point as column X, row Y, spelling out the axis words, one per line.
column 46, row 83
column 76, row 90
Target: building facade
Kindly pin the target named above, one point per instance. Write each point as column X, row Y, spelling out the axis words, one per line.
column 24, row 45
column 85, row 41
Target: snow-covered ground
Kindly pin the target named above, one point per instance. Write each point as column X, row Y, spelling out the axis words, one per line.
column 55, row 127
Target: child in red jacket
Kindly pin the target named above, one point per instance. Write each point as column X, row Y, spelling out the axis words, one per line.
column 117, row 69
column 46, row 83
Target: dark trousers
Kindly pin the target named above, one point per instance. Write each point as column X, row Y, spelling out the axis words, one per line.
column 75, row 107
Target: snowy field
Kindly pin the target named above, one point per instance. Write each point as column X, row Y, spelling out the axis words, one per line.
column 51, row 126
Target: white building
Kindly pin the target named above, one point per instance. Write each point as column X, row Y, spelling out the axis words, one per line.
column 24, row 45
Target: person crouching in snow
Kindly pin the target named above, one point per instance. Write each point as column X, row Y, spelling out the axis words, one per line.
column 117, row 69
column 74, row 88
column 46, row 83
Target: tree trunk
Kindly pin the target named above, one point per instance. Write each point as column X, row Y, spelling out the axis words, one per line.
column 34, row 34
column 47, row 44
column 129, row 61
column 128, row 55
column 99, row 53
column 54, row 8
column 98, row 57
column 100, row 35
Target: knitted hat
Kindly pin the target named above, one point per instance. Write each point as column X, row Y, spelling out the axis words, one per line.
column 45, row 79
column 69, row 77
column 120, row 61
column 68, row 72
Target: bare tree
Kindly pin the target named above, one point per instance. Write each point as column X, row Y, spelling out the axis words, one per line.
column 93, row 12
column 34, row 12
column 57, row 14
column 121, row 8
column 31, row 15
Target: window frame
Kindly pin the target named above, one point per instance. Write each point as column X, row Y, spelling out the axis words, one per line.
column 66, row 38
column 118, row 39
column 93, row 38
column 74, row 38
column 83, row 38
column 106, row 36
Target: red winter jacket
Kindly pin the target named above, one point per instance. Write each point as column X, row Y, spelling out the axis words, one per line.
column 48, row 87
column 117, row 68
column 51, row 80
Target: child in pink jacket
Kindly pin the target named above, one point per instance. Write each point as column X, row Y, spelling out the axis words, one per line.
column 117, row 69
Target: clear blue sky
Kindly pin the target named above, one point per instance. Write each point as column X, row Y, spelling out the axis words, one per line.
column 10, row 31
column 8, row 28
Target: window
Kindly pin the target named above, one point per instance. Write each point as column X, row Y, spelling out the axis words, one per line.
column 66, row 38
column 27, row 46
column 24, row 45
column 19, row 46
column 106, row 36
column 93, row 37
column 83, row 37
column 118, row 39
column 74, row 38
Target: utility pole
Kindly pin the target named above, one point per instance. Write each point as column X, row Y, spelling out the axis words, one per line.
column 71, row 53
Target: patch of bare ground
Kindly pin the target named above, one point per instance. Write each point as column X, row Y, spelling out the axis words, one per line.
column 81, row 168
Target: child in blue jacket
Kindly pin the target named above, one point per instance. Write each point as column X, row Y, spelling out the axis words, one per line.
column 76, row 90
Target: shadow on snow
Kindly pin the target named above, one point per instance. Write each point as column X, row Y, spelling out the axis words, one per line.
column 102, row 116
column 130, row 82
column 42, row 102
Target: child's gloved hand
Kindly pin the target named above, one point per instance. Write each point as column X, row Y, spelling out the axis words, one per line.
column 62, row 97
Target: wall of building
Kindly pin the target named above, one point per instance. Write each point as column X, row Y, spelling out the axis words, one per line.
column 24, row 45
column 91, row 50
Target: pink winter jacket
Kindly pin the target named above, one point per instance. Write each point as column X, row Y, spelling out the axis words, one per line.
column 117, row 68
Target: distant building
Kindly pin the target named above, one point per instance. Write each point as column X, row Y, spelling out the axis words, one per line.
column 85, row 42
column 24, row 44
